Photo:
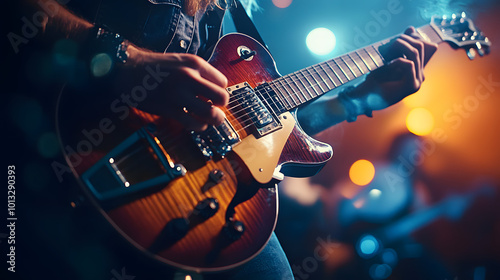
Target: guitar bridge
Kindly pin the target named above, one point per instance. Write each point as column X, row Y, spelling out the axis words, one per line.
column 216, row 140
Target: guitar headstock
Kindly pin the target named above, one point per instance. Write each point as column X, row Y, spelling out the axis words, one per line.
column 460, row 32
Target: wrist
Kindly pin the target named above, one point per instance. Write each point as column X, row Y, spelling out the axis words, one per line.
column 355, row 103
column 104, row 50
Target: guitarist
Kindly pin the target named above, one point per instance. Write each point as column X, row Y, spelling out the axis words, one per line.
column 166, row 40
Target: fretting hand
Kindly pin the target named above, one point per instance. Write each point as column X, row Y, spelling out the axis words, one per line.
column 407, row 56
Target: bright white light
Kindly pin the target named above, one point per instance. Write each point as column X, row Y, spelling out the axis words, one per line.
column 321, row 41
column 375, row 193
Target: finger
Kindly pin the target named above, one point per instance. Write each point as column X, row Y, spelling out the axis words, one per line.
column 419, row 46
column 177, row 60
column 412, row 31
column 411, row 53
column 408, row 70
column 188, row 83
column 206, row 70
column 211, row 73
column 429, row 47
column 205, row 112
column 211, row 91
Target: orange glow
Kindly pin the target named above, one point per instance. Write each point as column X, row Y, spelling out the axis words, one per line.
column 362, row 172
column 420, row 121
column 282, row 3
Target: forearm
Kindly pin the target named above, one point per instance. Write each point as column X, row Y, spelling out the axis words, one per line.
column 347, row 105
column 57, row 22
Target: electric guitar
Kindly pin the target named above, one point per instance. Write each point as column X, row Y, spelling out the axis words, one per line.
column 207, row 201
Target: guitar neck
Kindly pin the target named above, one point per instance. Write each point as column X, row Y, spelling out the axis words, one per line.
column 311, row 82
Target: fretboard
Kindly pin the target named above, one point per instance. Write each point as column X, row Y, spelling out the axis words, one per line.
column 297, row 88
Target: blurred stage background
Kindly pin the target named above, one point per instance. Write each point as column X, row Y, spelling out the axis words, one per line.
column 429, row 210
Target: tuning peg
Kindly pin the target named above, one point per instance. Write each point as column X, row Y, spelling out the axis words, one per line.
column 443, row 20
column 480, row 50
column 453, row 18
column 471, row 53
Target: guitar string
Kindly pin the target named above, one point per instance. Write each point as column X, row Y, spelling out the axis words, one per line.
column 283, row 81
column 292, row 81
column 338, row 61
column 296, row 94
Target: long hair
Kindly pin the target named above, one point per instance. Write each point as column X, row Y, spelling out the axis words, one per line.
column 191, row 7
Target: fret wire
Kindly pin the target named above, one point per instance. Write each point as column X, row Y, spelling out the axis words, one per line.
column 347, row 77
column 280, row 81
column 370, row 60
column 298, row 90
column 292, row 95
column 318, row 83
column 376, row 64
column 323, row 79
column 295, row 92
column 311, row 85
column 303, row 84
column 329, row 77
column 355, row 63
column 349, row 67
column 296, row 84
column 377, row 53
column 333, row 70
column 362, row 59
column 322, row 76
column 271, row 84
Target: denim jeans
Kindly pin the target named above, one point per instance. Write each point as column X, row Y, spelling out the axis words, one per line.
column 270, row 264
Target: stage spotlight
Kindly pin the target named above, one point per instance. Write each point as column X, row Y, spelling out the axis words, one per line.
column 420, row 121
column 368, row 246
column 361, row 172
column 321, row 41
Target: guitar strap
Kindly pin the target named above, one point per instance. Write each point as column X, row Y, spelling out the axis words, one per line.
column 243, row 22
column 213, row 21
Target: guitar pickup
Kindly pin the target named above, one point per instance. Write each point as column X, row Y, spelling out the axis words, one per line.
column 255, row 108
